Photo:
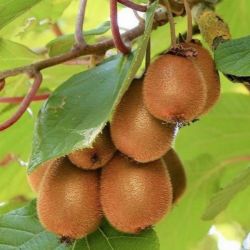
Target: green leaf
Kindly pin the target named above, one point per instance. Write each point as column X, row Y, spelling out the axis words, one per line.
column 233, row 57
column 220, row 200
column 107, row 238
column 78, row 110
column 21, row 230
column 9, row 10
column 64, row 43
column 13, row 54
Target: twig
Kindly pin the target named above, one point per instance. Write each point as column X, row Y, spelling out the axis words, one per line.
column 134, row 6
column 97, row 49
column 171, row 22
column 25, row 103
column 80, row 41
column 18, row 99
column 119, row 43
column 189, row 21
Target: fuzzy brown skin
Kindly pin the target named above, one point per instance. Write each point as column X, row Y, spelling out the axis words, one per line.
column 174, row 89
column 69, row 200
column 97, row 156
column 177, row 174
column 35, row 178
column 135, row 196
column 207, row 66
column 135, row 132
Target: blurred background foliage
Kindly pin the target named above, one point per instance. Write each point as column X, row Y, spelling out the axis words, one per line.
column 215, row 150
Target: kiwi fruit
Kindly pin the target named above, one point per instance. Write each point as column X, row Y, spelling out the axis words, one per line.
column 135, row 196
column 174, row 89
column 177, row 174
column 36, row 176
column 135, row 132
column 97, row 156
column 205, row 63
column 69, row 200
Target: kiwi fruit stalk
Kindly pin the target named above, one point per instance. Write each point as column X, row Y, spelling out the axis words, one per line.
column 68, row 201
column 135, row 132
column 97, row 156
column 177, row 174
column 36, row 176
column 135, row 196
column 174, row 89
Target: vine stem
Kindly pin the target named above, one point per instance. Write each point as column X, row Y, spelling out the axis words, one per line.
column 80, row 41
column 189, row 21
column 119, row 43
column 25, row 102
column 18, row 99
column 171, row 23
column 96, row 49
column 134, row 6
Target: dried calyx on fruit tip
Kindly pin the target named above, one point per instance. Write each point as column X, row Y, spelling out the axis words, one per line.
column 174, row 88
column 177, row 174
column 35, row 177
column 97, row 156
column 69, row 200
column 206, row 65
column 135, row 196
column 135, row 132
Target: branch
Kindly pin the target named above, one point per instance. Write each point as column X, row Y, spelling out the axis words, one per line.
column 25, row 103
column 134, row 6
column 18, row 99
column 80, row 41
column 118, row 41
column 97, row 49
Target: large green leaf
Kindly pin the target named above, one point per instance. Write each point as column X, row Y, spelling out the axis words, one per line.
column 21, row 230
column 64, row 43
column 208, row 148
column 9, row 10
column 233, row 57
column 78, row 110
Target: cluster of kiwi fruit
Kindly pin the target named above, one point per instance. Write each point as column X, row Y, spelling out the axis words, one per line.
column 131, row 175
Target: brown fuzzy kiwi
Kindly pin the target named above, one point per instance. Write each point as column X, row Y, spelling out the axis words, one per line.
column 97, row 156
column 69, row 202
column 36, row 176
column 135, row 196
column 135, row 132
column 177, row 174
column 205, row 63
column 174, row 89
